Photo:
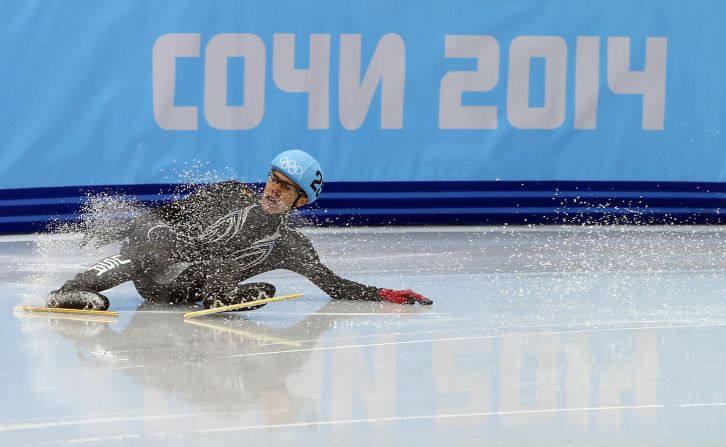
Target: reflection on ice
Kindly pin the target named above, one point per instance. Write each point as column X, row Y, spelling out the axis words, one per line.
column 546, row 336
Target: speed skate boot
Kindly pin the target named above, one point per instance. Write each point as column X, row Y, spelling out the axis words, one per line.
column 68, row 298
column 242, row 293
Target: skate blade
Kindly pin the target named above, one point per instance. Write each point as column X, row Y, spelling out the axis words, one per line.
column 61, row 310
column 232, row 307
column 47, row 316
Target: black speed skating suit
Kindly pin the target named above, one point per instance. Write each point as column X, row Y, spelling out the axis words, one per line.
column 206, row 244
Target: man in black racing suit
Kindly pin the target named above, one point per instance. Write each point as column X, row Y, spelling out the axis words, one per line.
column 202, row 247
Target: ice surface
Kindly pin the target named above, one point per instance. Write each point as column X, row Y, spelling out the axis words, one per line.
column 537, row 336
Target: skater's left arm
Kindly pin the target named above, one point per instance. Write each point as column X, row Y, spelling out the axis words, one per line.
column 304, row 260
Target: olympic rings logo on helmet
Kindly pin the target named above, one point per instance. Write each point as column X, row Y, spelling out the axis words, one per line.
column 290, row 166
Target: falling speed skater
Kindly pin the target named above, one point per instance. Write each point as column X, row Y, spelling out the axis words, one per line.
column 204, row 247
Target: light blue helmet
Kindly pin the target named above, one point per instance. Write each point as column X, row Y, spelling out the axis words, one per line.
column 302, row 169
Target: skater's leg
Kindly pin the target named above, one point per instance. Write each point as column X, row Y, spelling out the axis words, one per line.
column 222, row 286
column 82, row 292
column 216, row 283
column 185, row 285
column 149, row 250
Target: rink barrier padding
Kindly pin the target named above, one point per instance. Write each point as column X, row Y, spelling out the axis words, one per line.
column 419, row 203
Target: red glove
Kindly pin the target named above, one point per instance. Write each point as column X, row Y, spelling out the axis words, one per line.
column 403, row 297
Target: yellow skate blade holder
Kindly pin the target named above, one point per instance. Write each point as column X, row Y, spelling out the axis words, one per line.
column 216, row 310
column 62, row 310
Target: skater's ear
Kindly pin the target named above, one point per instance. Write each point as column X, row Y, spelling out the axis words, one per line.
column 301, row 201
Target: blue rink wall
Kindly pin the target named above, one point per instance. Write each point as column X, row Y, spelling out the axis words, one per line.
column 420, row 112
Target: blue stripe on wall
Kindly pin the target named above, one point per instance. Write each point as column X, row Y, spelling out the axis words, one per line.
column 415, row 203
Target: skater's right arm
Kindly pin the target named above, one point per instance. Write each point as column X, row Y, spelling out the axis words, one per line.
column 303, row 259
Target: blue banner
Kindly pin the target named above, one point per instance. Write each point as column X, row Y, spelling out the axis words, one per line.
column 139, row 92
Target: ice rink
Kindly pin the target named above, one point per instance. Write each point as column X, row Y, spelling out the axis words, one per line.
column 545, row 336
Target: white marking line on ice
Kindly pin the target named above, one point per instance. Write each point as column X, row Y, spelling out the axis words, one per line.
column 713, row 404
column 451, row 416
column 488, row 329
column 50, row 424
column 360, row 314
column 39, row 425
column 96, row 439
column 478, row 337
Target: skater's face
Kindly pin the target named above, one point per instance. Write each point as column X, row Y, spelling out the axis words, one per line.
column 281, row 194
